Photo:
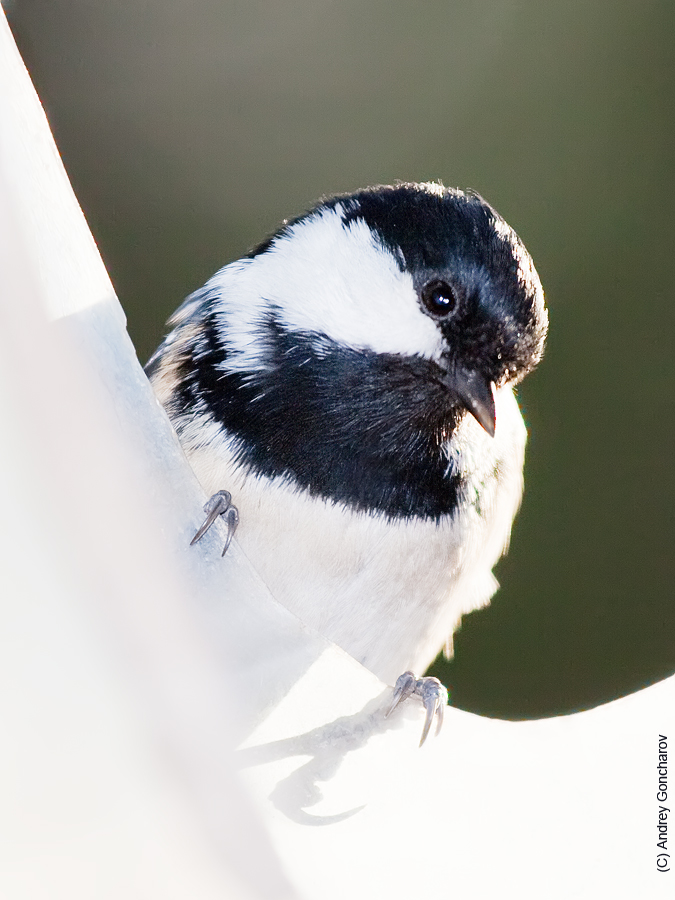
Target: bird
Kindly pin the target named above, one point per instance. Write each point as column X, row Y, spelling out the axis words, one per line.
column 345, row 395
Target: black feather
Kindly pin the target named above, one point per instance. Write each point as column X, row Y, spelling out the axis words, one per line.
column 359, row 428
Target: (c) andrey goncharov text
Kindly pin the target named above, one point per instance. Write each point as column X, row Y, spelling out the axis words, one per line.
column 663, row 857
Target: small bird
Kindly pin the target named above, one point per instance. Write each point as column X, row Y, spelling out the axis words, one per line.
column 350, row 382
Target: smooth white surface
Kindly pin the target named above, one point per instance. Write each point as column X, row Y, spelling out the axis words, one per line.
column 556, row 808
column 117, row 723
column 131, row 665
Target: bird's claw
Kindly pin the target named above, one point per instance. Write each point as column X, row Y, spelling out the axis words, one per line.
column 432, row 693
column 435, row 698
column 220, row 504
column 404, row 687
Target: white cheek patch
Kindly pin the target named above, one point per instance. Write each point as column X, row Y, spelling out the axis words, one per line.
column 327, row 279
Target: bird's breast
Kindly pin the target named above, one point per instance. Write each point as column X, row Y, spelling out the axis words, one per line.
column 388, row 590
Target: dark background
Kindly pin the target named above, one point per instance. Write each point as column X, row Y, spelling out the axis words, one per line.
column 190, row 130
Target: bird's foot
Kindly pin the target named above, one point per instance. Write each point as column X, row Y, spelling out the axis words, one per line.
column 432, row 693
column 220, row 504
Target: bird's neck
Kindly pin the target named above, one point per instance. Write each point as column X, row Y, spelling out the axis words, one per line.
column 370, row 431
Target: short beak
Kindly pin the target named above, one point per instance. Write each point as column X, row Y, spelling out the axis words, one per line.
column 475, row 393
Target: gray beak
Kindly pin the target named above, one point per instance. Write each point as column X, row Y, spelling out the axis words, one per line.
column 475, row 393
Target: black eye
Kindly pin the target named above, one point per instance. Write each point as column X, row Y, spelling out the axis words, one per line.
column 439, row 298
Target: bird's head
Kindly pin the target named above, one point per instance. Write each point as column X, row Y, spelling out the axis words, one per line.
column 414, row 271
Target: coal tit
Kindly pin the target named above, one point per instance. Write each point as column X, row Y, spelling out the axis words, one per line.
column 350, row 382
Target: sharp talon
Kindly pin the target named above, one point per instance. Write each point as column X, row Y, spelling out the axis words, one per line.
column 232, row 516
column 215, row 506
column 208, row 522
column 440, row 711
column 430, row 707
column 404, row 687
column 434, row 696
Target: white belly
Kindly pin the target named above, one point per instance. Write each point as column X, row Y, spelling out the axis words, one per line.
column 390, row 593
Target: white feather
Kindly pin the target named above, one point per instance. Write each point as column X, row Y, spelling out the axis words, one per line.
column 330, row 279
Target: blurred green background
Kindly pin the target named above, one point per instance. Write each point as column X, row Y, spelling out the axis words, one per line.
column 190, row 130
